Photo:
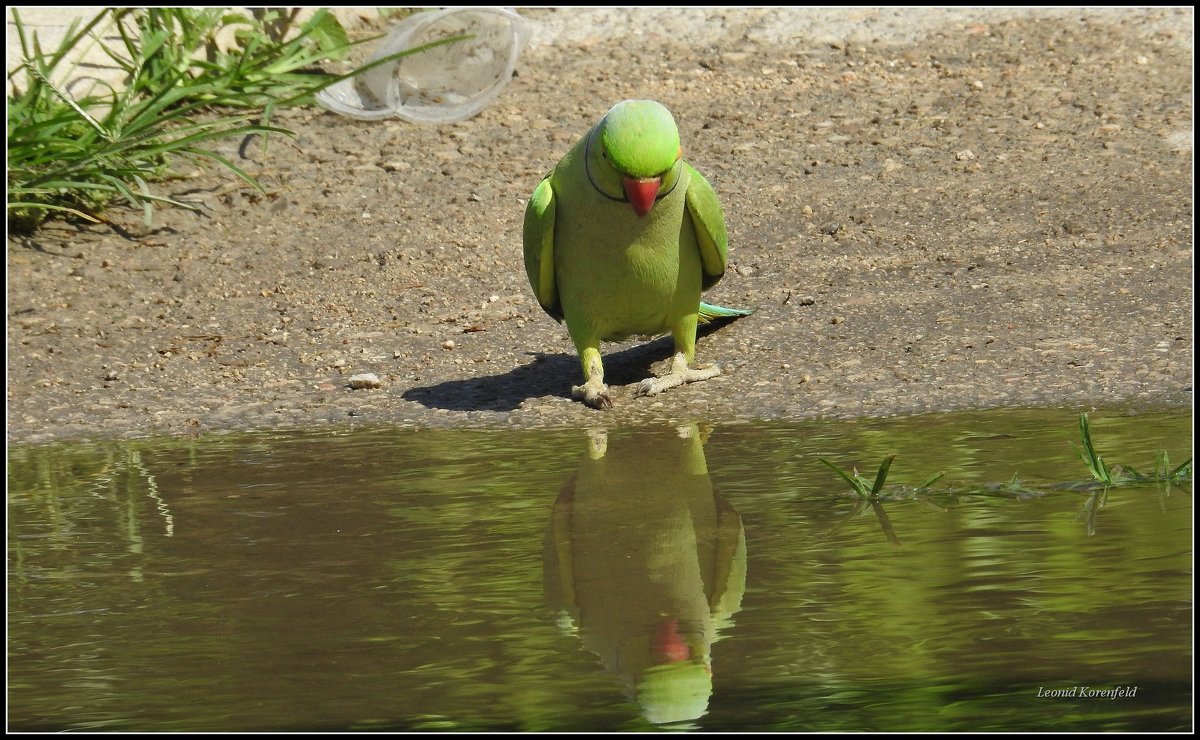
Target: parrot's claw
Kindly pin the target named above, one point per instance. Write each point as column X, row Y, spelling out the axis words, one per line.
column 593, row 394
column 677, row 376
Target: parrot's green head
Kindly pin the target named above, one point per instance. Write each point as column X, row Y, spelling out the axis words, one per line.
column 638, row 144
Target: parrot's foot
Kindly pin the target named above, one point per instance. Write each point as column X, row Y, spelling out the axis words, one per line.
column 680, row 374
column 594, row 394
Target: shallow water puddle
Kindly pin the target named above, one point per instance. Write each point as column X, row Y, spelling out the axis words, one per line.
column 717, row 578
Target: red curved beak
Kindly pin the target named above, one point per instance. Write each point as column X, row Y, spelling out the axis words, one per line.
column 641, row 193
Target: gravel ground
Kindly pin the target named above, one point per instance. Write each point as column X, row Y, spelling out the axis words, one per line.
column 929, row 211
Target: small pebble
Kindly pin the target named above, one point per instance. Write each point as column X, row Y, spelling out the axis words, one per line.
column 366, row 380
column 448, row 344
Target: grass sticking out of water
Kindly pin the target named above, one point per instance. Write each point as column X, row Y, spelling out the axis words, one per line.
column 1103, row 476
column 1122, row 475
column 874, row 490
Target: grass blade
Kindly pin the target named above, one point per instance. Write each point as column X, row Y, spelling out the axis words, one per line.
column 36, row 205
column 64, row 97
column 1091, row 458
column 1183, row 472
column 856, row 484
column 882, row 475
column 931, row 480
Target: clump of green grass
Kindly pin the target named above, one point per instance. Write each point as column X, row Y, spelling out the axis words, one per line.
column 78, row 155
column 1104, row 477
column 182, row 93
column 873, row 490
column 1124, row 475
column 1103, row 474
column 272, row 60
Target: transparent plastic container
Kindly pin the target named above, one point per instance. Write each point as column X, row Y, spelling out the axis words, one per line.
column 441, row 85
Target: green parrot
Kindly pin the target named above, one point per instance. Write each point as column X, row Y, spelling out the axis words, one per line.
column 620, row 239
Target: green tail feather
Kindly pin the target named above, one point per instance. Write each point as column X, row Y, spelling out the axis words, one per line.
column 709, row 312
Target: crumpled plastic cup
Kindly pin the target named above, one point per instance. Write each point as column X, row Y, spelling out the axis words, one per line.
column 441, row 85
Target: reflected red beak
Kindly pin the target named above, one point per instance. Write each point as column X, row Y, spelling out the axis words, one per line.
column 667, row 645
column 641, row 193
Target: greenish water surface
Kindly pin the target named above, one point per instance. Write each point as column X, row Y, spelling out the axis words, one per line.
column 690, row 577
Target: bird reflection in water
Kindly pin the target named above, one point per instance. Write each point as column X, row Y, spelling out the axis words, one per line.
column 647, row 563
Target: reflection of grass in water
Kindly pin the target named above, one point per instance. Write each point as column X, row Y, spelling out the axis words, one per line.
column 113, row 481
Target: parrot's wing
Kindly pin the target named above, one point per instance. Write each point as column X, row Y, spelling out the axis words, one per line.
column 539, row 248
column 709, row 223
